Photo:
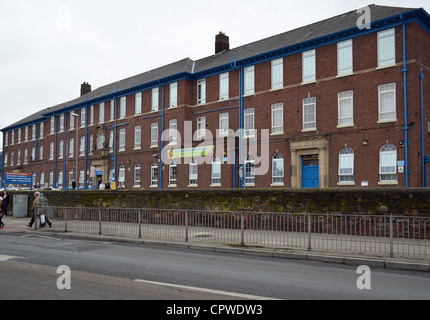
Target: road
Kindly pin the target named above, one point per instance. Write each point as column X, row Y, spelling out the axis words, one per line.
column 115, row 271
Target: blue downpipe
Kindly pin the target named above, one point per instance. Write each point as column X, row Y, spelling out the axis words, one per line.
column 405, row 86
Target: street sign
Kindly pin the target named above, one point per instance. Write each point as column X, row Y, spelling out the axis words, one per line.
column 19, row 178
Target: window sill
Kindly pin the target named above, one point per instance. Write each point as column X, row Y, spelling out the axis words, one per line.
column 277, row 134
column 277, row 184
column 345, row 75
column 309, row 130
column 153, row 147
column 153, row 187
column 215, row 185
column 193, row 186
column 340, row 126
column 386, row 67
column 346, row 183
column 388, row 183
column 172, row 186
column 277, row 89
column 386, row 121
column 308, row 82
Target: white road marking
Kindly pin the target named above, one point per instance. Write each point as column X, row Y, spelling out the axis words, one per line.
column 219, row 292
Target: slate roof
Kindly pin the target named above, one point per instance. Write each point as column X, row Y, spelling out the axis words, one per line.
column 313, row 31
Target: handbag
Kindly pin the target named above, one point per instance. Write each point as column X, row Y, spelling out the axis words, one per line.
column 42, row 219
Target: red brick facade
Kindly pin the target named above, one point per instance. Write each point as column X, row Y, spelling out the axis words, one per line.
column 366, row 136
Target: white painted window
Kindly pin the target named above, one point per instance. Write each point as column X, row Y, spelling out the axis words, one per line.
column 309, row 66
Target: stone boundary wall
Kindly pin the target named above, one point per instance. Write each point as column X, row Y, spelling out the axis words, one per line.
column 397, row 201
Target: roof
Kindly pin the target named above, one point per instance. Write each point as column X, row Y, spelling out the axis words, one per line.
column 281, row 44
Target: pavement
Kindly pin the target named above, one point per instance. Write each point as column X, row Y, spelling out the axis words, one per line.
column 19, row 226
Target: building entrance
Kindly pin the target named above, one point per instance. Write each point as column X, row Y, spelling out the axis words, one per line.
column 310, row 171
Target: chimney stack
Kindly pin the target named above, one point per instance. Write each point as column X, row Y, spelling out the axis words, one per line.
column 85, row 88
column 222, row 43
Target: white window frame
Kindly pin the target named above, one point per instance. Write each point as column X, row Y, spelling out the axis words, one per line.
column 102, row 112
column 309, row 66
column 201, row 128
column 173, row 131
column 61, row 149
column 71, row 147
column 51, row 132
column 345, row 58
column 173, row 95
column 277, row 74
column 278, row 118
column 388, row 164
column 137, row 175
column 154, row 174
column 138, row 104
column 249, row 81
column 346, row 165
column 62, row 123
column 122, row 138
column 193, row 173
column 155, row 100
column 82, row 146
column 51, row 151
column 154, row 134
column 173, row 174
column 216, row 172
column 386, row 48
column 121, row 176
column 390, row 114
column 137, row 137
column 83, row 113
column 71, row 122
column 249, row 171
column 101, row 141
column 123, row 108
column 201, row 91
column 345, row 108
column 277, row 174
column 249, row 123
column 112, row 110
column 309, row 110
column 224, row 86
column 91, row 115
column 223, row 124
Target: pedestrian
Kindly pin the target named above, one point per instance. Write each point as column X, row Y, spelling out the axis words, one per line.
column 44, row 210
column 74, row 184
column 35, row 209
column 2, row 206
column 107, row 185
column 5, row 201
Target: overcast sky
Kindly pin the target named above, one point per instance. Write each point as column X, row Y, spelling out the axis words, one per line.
column 48, row 48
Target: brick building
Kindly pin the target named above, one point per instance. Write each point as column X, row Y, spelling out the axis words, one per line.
column 338, row 103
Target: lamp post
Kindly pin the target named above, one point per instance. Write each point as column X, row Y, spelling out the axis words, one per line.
column 74, row 115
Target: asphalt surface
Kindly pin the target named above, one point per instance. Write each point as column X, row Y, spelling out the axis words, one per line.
column 19, row 225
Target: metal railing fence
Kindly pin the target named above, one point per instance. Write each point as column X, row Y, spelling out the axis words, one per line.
column 386, row 235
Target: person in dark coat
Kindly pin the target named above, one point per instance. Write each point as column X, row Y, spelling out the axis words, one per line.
column 2, row 206
column 5, row 201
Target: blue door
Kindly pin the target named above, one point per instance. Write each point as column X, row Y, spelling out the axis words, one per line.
column 310, row 172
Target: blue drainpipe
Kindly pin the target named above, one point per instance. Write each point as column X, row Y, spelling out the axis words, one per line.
column 405, row 87
column 160, row 174
column 423, row 171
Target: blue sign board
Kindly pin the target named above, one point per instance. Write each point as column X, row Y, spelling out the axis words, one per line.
column 19, row 178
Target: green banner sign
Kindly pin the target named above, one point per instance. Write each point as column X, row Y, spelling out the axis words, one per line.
column 201, row 151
